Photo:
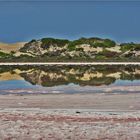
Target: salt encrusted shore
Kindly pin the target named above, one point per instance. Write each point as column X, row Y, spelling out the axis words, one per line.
column 68, row 124
column 70, row 117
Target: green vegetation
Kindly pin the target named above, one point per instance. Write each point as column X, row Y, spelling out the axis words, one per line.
column 72, row 45
column 108, row 54
column 130, row 47
column 137, row 47
column 105, row 44
column 4, row 55
column 100, row 57
column 64, row 50
column 127, row 46
column 109, row 43
column 46, row 42
column 94, row 42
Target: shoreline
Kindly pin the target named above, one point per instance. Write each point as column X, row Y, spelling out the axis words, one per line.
column 114, row 102
column 71, row 63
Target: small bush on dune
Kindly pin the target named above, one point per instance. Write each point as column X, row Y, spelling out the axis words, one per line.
column 52, row 41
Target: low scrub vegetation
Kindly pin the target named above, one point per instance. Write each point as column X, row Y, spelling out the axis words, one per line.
column 83, row 49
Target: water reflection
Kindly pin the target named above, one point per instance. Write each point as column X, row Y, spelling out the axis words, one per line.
column 50, row 76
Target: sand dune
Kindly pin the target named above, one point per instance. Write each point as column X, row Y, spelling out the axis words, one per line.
column 11, row 47
column 9, row 76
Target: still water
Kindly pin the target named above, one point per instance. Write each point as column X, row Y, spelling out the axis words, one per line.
column 71, row 78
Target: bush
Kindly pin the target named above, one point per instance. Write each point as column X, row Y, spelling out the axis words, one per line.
column 97, row 44
column 137, row 47
column 82, row 40
column 71, row 46
column 52, row 41
column 32, row 41
column 105, row 43
column 128, row 46
column 109, row 43
column 100, row 57
column 4, row 55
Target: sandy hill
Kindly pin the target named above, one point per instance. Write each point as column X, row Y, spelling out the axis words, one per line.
column 11, row 47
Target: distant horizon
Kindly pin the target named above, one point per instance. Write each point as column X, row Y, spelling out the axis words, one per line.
column 28, row 40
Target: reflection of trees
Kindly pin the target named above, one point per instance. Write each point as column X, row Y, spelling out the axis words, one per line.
column 33, row 77
column 130, row 76
column 47, row 82
column 81, row 75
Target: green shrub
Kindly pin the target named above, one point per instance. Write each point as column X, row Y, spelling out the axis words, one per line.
column 137, row 47
column 51, row 41
column 127, row 46
column 71, row 46
column 97, row 44
column 100, row 57
column 4, row 55
column 106, row 44
column 33, row 40
column 109, row 43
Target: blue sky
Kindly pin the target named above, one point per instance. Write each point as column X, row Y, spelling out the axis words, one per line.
column 23, row 21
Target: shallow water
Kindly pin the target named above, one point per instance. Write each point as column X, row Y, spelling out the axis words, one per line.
column 71, row 79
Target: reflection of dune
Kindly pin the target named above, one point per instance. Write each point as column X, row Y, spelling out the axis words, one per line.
column 137, row 71
column 88, row 76
column 53, row 78
column 10, row 76
column 41, row 77
column 116, row 75
column 62, row 75
column 18, row 71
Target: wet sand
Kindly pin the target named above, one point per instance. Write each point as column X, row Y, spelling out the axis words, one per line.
column 70, row 117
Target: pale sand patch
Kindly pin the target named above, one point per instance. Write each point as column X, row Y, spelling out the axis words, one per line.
column 88, row 48
column 137, row 71
column 11, row 47
column 20, row 53
column 18, row 71
column 87, row 76
column 114, row 49
column 116, row 75
column 8, row 76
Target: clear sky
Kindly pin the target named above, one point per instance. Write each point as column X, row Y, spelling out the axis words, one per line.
column 23, row 21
